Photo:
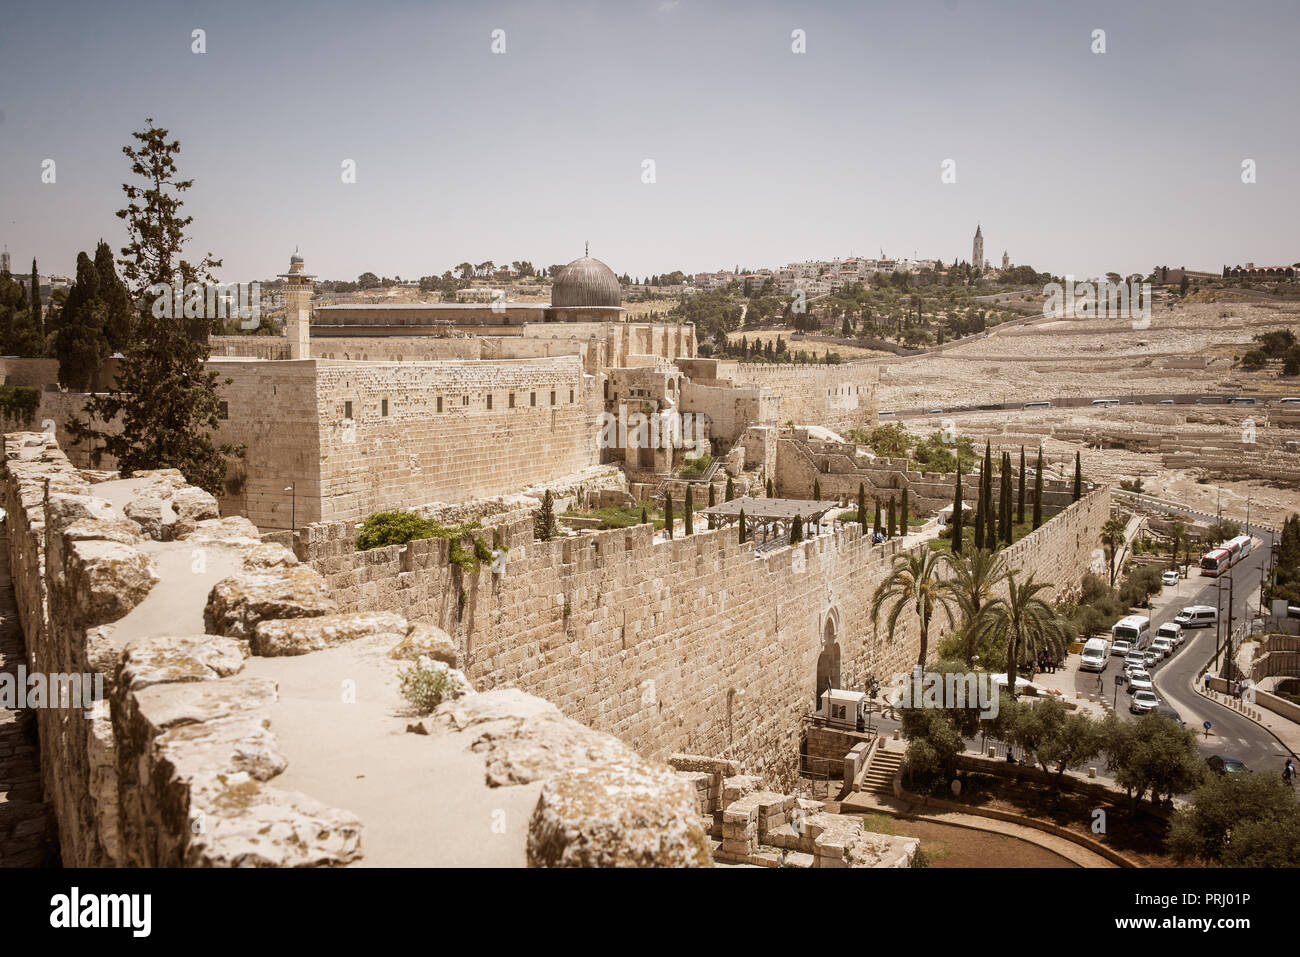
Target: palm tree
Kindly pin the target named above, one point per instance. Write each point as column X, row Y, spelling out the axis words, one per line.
column 1023, row 621
column 1177, row 532
column 972, row 583
column 914, row 583
column 1112, row 540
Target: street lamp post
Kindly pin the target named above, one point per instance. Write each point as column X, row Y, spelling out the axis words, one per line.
column 293, row 506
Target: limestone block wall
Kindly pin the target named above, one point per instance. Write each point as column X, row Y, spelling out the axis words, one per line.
column 501, row 427
column 250, row 347
column 696, row 644
column 838, row 396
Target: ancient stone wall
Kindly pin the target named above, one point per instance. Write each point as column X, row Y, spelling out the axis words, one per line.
column 838, row 396
column 697, row 644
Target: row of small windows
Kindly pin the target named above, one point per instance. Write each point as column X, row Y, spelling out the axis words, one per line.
column 464, row 402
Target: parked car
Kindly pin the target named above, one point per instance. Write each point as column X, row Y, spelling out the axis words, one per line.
column 1170, row 577
column 1135, row 659
column 1152, row 657
column 1120, row 647
column 1222, row 764
column 1139, row 680
column 1143, row 701
column 1164, row 646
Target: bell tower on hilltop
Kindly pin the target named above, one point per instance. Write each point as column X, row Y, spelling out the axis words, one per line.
column 977, row 251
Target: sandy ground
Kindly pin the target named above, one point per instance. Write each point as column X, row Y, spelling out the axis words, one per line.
column 422, row 799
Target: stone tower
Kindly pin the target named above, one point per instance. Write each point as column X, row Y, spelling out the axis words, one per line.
column 977, row 252
column 1006, row 260
column 297, row 308
column 4, row 260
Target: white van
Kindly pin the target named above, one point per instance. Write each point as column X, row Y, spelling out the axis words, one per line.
column 1135, row 629
column 1095, row 653
column 1105, row 403
column 1197, row 616
column 1171, row 631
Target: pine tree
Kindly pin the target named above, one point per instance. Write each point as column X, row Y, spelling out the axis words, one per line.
column 1020, row 493
column 862, row 505
column 165, row 399
column 796, row 530
column 688, row 512
column 902, row 521
column 744, row 532
column 957, row 530
column 544, row 524
column 893, row 528
column 1078, row 476
column 1038, row 490
column 817, row 490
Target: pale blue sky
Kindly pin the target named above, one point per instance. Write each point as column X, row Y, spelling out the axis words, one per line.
column 1072, row 161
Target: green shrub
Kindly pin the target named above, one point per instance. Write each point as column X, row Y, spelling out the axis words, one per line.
column 426, row 688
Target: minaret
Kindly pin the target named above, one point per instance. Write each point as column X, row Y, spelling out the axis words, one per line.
column 297, row 308
column 4, row 261
column 1006, row 260
column 977, row 253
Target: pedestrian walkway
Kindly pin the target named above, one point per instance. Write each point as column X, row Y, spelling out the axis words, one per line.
column 24, row 832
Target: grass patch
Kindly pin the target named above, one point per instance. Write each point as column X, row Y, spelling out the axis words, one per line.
column 620, row 516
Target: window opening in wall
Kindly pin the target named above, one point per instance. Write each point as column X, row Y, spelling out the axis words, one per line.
column 440, row 409
column 383, row 407
column 532, row 398
column 552, row 397
column 570, row 395
column 512, row 400
column 489, row 400
column 347, row 410
column 464, row 400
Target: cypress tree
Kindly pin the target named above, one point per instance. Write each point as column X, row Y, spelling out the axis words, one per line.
column 1020, row 494
column 688, row 512
column 817, row 490
column 38, row 322
column 713, row 496
column 668, row 513
column 1038, row 490
column 956, row 513
column 770, row 490
column 644, row 517
column 878, row 521
column 979, row 511
column 731, row 488
column 1078, row 476
column 796, row 530
column 862, row 505
column 79, row 344
column 893, row 528
column 544, row 524
column 1006, row 498
column 744, row 534
column 902, row 521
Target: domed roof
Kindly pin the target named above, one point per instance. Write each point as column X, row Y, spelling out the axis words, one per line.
column 586, row 282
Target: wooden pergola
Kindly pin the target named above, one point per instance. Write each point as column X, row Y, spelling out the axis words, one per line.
column 774, row 516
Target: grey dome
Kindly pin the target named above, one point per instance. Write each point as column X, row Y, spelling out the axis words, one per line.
column 586, row 282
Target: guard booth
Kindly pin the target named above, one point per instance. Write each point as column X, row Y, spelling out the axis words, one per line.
column 844, row 709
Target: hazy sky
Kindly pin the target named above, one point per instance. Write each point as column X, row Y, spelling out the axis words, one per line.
column 1072, row 161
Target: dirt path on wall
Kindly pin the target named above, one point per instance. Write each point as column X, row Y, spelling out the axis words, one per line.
column 24, row 834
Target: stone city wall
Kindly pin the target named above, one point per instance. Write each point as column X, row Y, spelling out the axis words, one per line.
column 696, row 644
column 840, row 396
column 177, row 763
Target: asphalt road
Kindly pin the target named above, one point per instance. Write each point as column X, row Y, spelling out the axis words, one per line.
column 1231, row 734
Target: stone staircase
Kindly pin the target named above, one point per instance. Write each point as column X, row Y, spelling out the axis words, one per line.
column 879, row 776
